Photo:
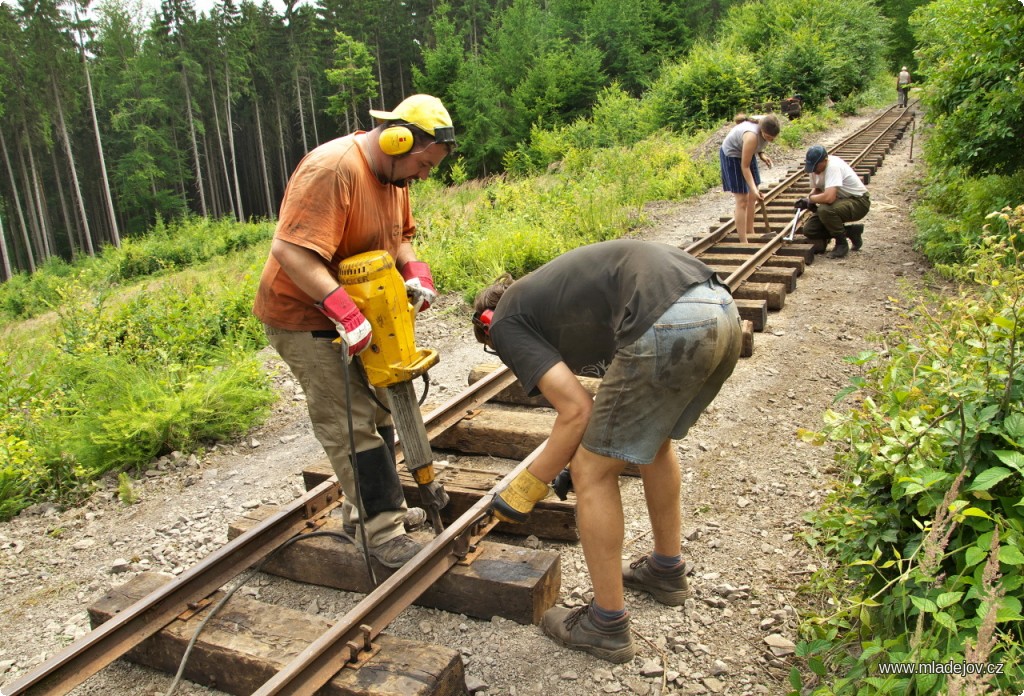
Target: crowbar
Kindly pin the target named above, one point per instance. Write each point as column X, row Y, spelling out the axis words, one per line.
column 792, row 225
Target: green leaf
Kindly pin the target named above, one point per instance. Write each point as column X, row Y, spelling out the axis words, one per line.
column 870, row 652
column 805, row 648
column 1011, row 458
column 988, row 478
column 794, row 679
column 1014, row 425
column 924, row 604
column 946, row 621
column 947, row 599
column 1010, row 555
column 975, row 512
column 817, row 666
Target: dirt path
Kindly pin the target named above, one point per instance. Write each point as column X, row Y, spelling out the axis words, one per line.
column 747, row 481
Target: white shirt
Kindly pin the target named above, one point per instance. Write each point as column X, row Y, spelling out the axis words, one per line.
column 840, row 175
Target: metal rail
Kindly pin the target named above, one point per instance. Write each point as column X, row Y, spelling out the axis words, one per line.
column 315, row 666
column 101, row 646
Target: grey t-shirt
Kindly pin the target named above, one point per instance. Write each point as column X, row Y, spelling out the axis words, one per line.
column 582, row 306
column 732, row 146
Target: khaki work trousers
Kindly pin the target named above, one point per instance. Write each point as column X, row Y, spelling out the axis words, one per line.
column 829, row 219
column 318, row 365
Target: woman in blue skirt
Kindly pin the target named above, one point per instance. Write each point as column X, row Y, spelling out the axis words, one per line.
column 738, row 157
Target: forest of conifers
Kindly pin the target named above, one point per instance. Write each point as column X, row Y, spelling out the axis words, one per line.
column 112, row 117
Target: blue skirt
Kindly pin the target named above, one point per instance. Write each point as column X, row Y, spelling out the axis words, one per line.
column 732, row 173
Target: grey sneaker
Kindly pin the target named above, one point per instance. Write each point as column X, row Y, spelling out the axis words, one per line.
column 574, row 629
column 668, row 588
column 395, row 553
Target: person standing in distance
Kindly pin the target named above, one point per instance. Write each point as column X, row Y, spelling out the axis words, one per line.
column 664, row 334
column 902, row 87
column 737, row 157
column 346, row 197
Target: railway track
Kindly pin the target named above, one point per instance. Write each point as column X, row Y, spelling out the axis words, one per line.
column 153, row 620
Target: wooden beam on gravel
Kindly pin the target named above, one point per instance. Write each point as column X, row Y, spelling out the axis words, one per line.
column 715, row 256
column 514, row 393
column 552, row 518
column 754, row 311
column 786, row 276
column 772, row 294
column 747, row 347
column 512, row 582
column 249, row 641
column 498, row 432
column 803, row 251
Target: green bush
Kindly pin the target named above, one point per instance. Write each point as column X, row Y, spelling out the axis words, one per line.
column 952, row 212
column 971, row 53
column 167, row 247
column 167, row 369
column 928, row 522
column 817, row 48
column 715, row 82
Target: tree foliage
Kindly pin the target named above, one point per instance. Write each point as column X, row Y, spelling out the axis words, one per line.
column 927, row 523
column 972, row 55
column 810, row 47
column 210, row 112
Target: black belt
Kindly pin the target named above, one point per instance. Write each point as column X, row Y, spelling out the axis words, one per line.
column 325, row 333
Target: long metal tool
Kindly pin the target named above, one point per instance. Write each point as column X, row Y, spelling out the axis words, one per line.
column 764, row 217
column 792, row 225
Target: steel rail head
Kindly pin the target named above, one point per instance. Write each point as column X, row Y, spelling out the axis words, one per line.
column 101, row 646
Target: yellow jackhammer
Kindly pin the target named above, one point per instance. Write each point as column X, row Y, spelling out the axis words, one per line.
column 392, row 361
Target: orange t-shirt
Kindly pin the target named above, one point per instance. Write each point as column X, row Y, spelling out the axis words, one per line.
column 335, row 206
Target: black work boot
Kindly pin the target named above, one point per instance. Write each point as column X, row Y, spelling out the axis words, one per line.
column 841, row 249
column 819, row 245
column 381, row 491
column 577, row 630
column 855, row 232
column 668, row 587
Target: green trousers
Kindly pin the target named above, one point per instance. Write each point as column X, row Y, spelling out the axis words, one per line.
column 827, row 222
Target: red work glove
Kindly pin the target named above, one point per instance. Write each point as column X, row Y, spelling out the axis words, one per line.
column 354, row 329
column 419, row 285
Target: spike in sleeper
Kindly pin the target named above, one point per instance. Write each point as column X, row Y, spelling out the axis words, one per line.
column 516, row 501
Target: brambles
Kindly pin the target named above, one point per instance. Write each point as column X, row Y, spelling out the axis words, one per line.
column 928, row 523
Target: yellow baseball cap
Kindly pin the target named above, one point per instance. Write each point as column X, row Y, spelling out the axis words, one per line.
column 426, row 113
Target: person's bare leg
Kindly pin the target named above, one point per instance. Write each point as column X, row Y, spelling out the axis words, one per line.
column 740, row 216
column 600, row 521
column 751, row 214
column 661, row 490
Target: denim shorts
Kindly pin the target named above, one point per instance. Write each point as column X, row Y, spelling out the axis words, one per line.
column 657, row 387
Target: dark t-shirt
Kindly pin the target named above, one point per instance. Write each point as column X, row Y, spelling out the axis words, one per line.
column 582, row 306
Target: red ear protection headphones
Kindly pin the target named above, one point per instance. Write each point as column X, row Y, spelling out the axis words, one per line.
column 482, row 320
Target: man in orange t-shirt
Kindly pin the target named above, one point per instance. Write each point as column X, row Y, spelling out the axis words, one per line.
column 346, row 197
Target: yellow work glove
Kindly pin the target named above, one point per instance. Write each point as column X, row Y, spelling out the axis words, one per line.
column 516, row 501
